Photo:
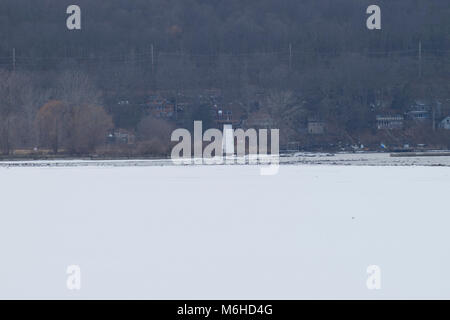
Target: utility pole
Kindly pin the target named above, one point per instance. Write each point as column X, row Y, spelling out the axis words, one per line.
column 290, row 56
column 420, row 59
column 14, row 59
column 153, row 68
column 434, row 118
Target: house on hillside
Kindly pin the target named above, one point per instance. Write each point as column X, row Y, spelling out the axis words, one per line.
column 224, row 116
column 420, row 111
column 315, row 126
column 160, row 107
column 445, row 123
column 123, row 102
column 389, row 122
column 121, row 136
column 229, row 114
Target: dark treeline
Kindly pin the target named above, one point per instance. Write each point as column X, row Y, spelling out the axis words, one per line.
column 310, row 58
column 37, row 28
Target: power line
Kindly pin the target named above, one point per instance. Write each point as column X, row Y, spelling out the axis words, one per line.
column 286, row 51
column 151, row 56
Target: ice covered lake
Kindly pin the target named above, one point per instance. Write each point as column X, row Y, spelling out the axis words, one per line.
column 155, row 231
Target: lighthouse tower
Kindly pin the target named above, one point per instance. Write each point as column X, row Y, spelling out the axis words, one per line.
column 228, row 140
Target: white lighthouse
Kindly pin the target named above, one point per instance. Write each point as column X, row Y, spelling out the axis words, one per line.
column 228, row 140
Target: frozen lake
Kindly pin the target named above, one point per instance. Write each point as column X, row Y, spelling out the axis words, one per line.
column 225, row 232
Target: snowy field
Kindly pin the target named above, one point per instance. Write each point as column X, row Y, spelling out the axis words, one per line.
column 224, row 232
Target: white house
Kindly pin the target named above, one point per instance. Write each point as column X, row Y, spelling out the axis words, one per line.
column 445, row 123
column 420, row 111
column 316, row 126
column 389, row 122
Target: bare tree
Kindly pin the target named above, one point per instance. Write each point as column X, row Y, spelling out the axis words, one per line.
column 286, row 110
column 16, row 109
column 51, row 121
column 87, row 127
column 154, row 135
column 75, row 121
column 76, row 88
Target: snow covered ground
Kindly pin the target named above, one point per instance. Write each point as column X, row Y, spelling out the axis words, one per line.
column 224, row 232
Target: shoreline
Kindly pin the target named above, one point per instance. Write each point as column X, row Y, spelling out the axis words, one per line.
column 435, row 158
